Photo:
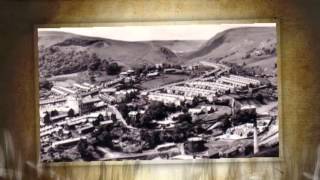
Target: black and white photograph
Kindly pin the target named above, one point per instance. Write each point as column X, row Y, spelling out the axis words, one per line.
column 158, row 92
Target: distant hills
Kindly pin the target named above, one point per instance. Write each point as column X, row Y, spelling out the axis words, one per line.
column 249, row 46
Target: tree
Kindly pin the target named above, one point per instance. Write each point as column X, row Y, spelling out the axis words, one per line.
column 45, row 84
column 145, row 121
column 98, row 120
column 139, row 69
column 123, row 109
column 46, row 118
column 54, row 113
column 113, row 118
column 71, row 113
column 104, row 138
column 171, row 108
column 86, row 150
column 151, row 138
column 113, row 69
column 104, row 65
column 260, row 98
column 157, row 110
column 185, row 117
column 96, row 62
column 92, row 79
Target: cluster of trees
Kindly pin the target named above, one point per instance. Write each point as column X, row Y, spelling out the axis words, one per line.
column 146, row 68
column 137, row 140
column 45, row 84
column 56, row 60
column 264, row 49
column 79, row 42
column 130, row 139
column 245, row 116
column 48, row 115
column 265, row 95
column 182, row 131
column 87, row 151
column 167, row 53
column 103, row 65
column 155, row 111
column 245, row 71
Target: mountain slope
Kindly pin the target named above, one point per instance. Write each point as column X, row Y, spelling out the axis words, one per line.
column 61, row 52
column 245, row 46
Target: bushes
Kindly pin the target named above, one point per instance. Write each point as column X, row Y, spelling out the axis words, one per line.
column 57, row 60
column 71, row 113
column 45, row 84
column 113, row 69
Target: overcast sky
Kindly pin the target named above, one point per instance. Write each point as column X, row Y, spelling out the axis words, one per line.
column 156, row 32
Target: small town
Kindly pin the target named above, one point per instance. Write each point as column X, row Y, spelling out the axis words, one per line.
column 163, row 111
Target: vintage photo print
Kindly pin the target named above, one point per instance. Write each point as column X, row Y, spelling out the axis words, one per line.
column 158, row 92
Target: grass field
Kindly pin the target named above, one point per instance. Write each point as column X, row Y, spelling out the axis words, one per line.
column 162, row 80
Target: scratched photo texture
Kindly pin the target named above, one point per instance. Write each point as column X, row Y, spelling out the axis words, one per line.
column 162, row 92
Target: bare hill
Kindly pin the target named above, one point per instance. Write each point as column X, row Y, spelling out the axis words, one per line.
column 249, row 46
column 49, row 38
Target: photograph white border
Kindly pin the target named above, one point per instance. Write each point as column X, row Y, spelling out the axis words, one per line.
column 151, row 162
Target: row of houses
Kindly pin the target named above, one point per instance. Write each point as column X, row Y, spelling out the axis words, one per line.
column 113, row 82
column 63, row 90
column 80, row 105
column 193, row 92
column 169, row 98
column 67, row 142
column 82, row 125
column 212, row 86
column 238, row 81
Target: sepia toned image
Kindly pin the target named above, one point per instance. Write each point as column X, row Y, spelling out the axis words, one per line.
column 161, row 92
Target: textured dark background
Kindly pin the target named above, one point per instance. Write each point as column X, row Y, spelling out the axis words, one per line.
column 299, row 43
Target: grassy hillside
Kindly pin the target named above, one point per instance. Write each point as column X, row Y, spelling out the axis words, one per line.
column 49, row 38
column 249, row 46
column 62, row 53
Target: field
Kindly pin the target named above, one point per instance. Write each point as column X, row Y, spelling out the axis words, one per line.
column 162, row 80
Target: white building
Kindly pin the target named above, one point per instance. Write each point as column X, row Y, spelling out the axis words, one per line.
column 234, row 83
column 169, row 98
column 72, row 103
column 245, row 80
column 67, row 90
column 86, row 88
column 241, row 131
column 66, row 142
column 195, row 111
column 58, row 91
column 47, row 132
column 191, row 91
column 52, row 104
column 153, row 74
column 88, row 84
column 108, row 90
column 210, row 64
column 113, row 82
column 211, row 85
